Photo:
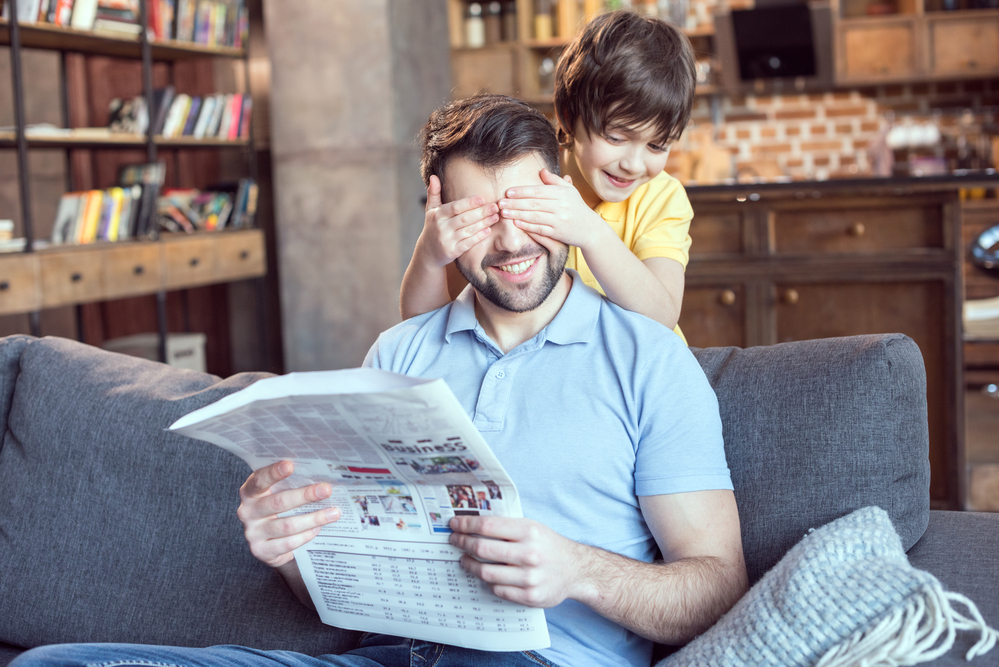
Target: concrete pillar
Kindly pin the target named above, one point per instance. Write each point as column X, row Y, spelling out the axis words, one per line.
column 352, row 83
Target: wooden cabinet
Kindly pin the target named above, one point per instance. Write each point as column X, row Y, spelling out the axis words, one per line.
column 522, row 66
column 964, row 45
column 785, row 265
column 63, row 276
column 918, row 43
column 877, row 50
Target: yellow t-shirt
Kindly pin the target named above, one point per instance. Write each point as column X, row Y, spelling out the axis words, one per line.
column 653, row 222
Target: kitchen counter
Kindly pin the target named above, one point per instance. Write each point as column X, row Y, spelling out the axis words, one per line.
column 891, row 186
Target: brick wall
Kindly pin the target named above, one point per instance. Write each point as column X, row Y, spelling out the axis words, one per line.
column 827, row 135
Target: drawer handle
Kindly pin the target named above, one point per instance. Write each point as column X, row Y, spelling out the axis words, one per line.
column 194, row 261
column 139, row 270
column 76, row 277
column 4, row 286
column 856, row 230
column 790, row 297
column 245, row 254
column 726, row 298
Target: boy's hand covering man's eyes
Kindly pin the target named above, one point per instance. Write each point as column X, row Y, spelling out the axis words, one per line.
column 451, row 229
column 555, row 210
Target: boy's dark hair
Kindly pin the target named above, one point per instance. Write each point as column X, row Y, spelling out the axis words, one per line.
column 492, row 131
column 625, row 69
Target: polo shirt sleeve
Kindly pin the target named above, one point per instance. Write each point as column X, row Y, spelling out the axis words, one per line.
column 661, row 219
column 680, row 446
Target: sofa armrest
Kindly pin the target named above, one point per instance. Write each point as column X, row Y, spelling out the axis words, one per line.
column 960, row 549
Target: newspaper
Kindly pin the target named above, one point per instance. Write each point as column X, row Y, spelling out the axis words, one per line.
column 403, row 458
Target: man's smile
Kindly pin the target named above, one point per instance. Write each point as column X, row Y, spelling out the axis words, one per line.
column 519, row 267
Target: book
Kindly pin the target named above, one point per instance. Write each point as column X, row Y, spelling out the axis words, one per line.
column 204, row 117
column 203, row 21
column 110, row 231
column 91, row 216
column 43, row 11
column 235, row 115
column 177, row 115
column 122, row 233
column 167, row 11
column 212, row 130
column 244, row 119
column 192, row 117
column 27, row 11
column 162, row 100
column 223, row 129
column 65, row 219
column 403, row 458
column 84, row 14
column 149, row 177
column 185, row 20
column 63, row 12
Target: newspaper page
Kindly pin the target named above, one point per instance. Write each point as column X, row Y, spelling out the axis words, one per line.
column 402, row 457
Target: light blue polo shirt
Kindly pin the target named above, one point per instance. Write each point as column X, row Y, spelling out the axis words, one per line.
column 602, row 406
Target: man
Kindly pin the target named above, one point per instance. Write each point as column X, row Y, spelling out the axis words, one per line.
column 602, row 417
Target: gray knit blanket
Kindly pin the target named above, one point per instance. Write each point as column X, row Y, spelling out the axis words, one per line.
column 844, row 595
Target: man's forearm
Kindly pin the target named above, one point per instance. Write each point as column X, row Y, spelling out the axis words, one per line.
column 293, row 577
column 670, row 603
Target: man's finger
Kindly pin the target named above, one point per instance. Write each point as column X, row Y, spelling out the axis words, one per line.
column 299, row 523
column 260, row 482
column 433, row 193
column 502, row 528
column 285, row 501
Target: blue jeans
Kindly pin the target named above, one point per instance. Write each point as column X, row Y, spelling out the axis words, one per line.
column 375, row 651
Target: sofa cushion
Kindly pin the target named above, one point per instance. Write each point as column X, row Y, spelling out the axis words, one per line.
column 817, row 429
column 113, row 530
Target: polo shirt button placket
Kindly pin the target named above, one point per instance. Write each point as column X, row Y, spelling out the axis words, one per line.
column 500, row 375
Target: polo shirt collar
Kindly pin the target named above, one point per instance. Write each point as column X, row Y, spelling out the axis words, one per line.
column 574, row 322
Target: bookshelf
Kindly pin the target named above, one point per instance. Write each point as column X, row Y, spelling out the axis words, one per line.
column 63, row 275
column 518, row 66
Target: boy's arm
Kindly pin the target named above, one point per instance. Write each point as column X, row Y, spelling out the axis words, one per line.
column 653, row 287
column 448, row 231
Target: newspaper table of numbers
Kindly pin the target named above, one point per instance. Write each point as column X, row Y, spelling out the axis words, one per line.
column 403, row 458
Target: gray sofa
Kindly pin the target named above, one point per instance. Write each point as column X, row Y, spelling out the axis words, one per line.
column 113, row 530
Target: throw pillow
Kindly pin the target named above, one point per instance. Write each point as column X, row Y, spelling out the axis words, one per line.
column 844, row 595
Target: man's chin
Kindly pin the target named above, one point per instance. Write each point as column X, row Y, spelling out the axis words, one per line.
column 521, row 297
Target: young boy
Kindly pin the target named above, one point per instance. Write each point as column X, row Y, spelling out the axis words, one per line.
column 624, row 88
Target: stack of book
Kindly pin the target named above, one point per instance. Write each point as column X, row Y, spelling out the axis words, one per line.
column 190, row 210
column 114, row 214
column 208, row 22
column 222, row 116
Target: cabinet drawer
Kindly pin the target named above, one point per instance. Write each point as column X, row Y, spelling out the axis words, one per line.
column 716, row 234
column 240, row 255
column 873, row 52
column 19, row 284
column 71, row 277
column 714, row 315
column 965, row 46
column 189, row 262
column 862, row 230
column 131, row 270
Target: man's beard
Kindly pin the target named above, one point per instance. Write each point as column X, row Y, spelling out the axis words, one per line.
column 523, row 297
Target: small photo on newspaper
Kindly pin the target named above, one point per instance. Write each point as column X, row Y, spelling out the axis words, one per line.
column 403, row 458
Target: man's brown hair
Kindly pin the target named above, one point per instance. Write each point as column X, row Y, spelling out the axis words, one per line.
column 625, row 69
column 491, row 131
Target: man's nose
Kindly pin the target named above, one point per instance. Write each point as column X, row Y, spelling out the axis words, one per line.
column 508, row 237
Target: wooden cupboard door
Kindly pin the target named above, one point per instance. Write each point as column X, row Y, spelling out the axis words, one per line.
column 714, row 315
column 859, row 230
column 241, row 255
column 131, row 269
column 806, row 311
column 872, row 52
column 716, row 234
column 966, row 46
column 19, row 291
column 189, row 261
column 492, row 70
column 71, row 276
